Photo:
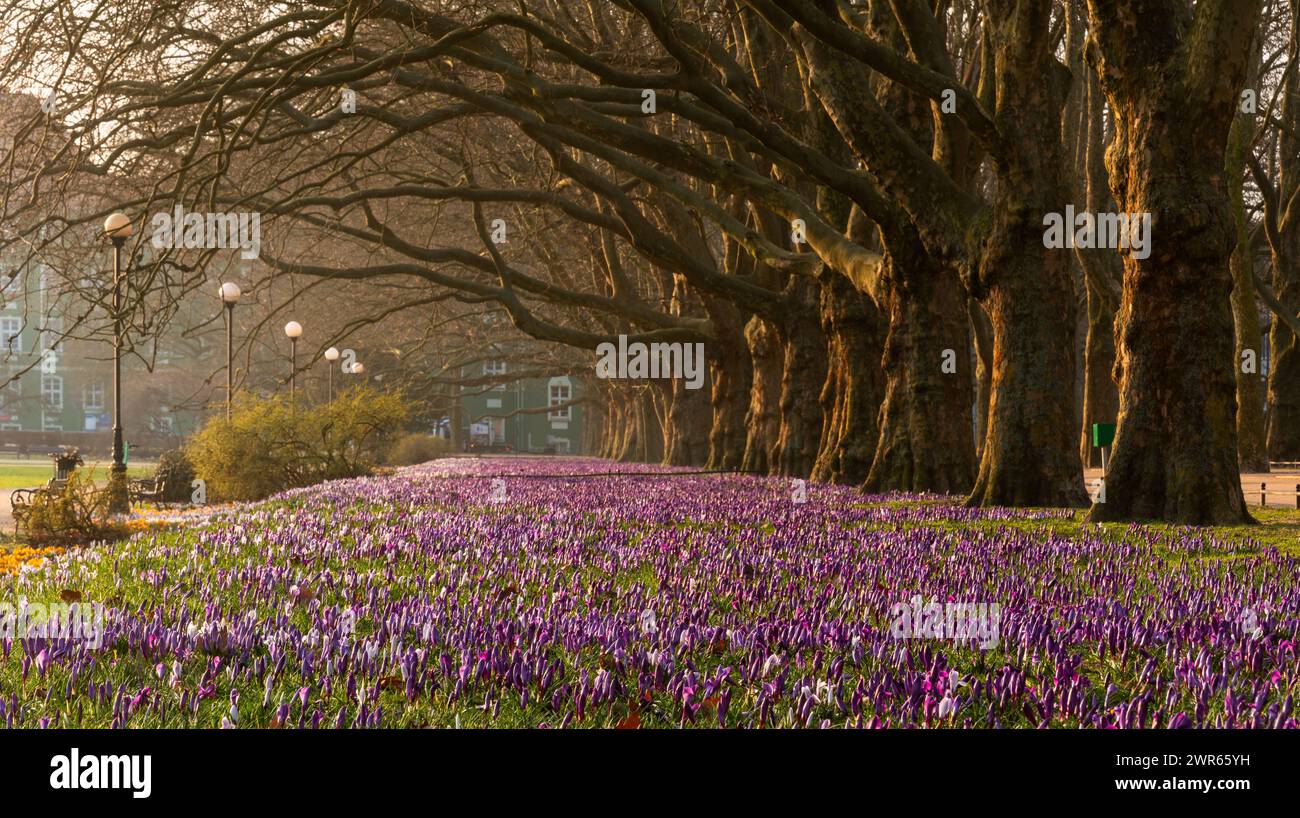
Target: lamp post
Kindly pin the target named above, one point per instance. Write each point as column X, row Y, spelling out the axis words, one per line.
column 294, row 330
column 117, row 227
column 230, row 293
column 358, row 368
column 331, row 355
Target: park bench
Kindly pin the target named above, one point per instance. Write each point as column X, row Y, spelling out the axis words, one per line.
column 170, row 482
column 17, row 450
column 20, row 500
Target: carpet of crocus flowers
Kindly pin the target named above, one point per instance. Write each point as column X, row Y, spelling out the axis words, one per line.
column 540, row 592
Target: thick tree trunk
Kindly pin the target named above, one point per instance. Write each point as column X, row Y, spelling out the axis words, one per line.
column 731, row 371
column 763, row 417
column 687, row 430
column 1173, row 99
column 593, row 423
column 925, row 441
column 1030, row 455
column 803, row 348
column 851, row 395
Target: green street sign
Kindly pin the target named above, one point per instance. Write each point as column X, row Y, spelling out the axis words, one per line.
column 1103, row 434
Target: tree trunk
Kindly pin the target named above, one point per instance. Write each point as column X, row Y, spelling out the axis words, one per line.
column 1030, row 455
column 763, row 418
column 1284, row 355
column 803, row 348
column 1173, row 99
column 1252, row 449
column 925, row 439
column 687, row 429
column 851, row 395
column 982, row 357
column 1100, row 397
column 731, row 371
column 1282, row 212
column 1102, row 273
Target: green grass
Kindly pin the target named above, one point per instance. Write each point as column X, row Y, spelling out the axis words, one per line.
column 23, row 475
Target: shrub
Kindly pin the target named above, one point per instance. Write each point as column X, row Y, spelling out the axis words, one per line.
column 414, row 448
column 176, row 473
column 77, row 514
column 265, row 448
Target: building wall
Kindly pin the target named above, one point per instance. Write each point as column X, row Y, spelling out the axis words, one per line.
column 52, row 386
column 491, row 416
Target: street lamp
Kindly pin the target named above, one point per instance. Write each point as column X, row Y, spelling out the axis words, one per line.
column 230, row 293
column 331, row 355
column 117, row 227
column 358, row 368
column 294, row 330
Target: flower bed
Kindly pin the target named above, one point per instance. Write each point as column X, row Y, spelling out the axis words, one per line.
column 517, row 592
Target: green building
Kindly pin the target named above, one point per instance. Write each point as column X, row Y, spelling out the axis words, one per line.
column 529, row 415
column 58, row 391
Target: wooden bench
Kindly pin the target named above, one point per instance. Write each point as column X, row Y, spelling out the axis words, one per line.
column 147, row 489
column 170, row 481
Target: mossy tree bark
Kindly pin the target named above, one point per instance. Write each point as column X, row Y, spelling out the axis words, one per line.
column 1173, row 90
column 851, row 394
column 1030, row 454
column 763, row 417
column 926, row 439
column 689, row 422
column 803, row 372
column 731, row 377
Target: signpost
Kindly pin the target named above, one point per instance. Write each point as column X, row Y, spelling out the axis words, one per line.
column 1103, row 435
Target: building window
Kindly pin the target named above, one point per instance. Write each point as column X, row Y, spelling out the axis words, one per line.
column 11, row 334
column 52, row 391
column 561, row 393
column 495, row 369
column 12, row 289
column 51, row 422
column 92, row 396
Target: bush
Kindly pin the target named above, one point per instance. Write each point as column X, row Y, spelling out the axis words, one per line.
column 176, row 473
column 77, row 514
column 265, row 448
column 415, row 448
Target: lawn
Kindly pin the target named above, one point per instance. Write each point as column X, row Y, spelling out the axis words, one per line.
column 21, row 474
column 467, row 592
